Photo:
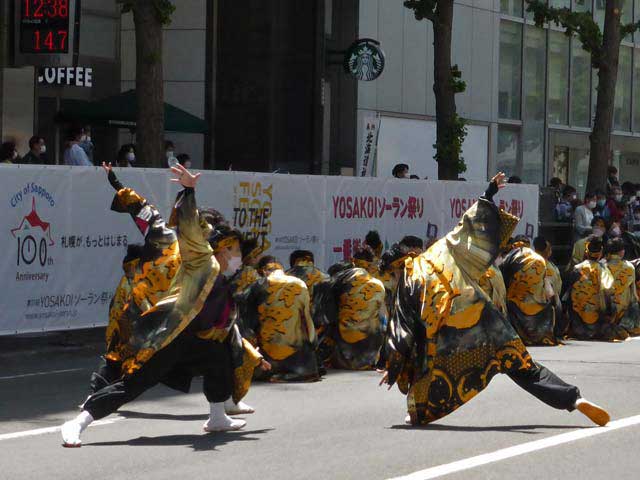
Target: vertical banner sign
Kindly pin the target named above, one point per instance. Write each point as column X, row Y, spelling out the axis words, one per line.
column 370, row 133
column 64, row 246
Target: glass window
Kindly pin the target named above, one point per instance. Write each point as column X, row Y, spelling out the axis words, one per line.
column 600, row 10
column 533, row 125
column 560, row 3
column 510, row 70
column 509, row 157
column 103, row 32
column 558, row 77
column 627, row 16
column 580, row 84
column 511, row 7
column 582, row 5
column 636, row 91
column 622, row 110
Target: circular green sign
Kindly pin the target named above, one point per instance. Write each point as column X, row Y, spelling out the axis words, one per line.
column 364, row 60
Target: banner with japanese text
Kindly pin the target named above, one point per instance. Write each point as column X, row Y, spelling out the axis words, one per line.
column 64, row 246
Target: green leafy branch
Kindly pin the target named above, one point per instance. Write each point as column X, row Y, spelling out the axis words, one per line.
column 164, row 9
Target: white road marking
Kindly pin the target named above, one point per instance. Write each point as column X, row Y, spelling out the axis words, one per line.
column 51, row 372
column 42, row 431
column 515, row 451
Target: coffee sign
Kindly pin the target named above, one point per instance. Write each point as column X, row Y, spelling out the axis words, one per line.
column 66, row 76
column 364, row 60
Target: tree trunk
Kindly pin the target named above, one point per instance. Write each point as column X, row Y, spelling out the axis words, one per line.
column 607, row 78
column 149, row 85
column 443, row 89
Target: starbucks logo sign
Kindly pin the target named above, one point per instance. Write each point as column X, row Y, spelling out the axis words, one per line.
column 364, row 60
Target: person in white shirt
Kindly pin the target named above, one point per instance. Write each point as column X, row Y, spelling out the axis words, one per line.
column 74, row 154
column 584, row 215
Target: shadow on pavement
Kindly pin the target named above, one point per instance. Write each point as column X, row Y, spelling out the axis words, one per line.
column 162, row 416
column 198, row 443
column 528, row 429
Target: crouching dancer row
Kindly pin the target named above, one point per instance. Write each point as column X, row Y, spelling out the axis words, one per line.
column 173, row 317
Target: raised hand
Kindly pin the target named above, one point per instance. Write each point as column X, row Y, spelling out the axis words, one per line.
column 184, row 177
column 500, row 180
column 107, row 167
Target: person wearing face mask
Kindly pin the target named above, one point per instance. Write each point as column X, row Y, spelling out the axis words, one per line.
column 86, row 142
column 623, row 298
column 564, row 207
column 634, row 222
column 530, row 294
column 615, row 207
column 170, row 153
column 37, row 148
column 588, row 286
column 401, row 170
column 584, row 215
column 599, row 229
column 126, row 156
column 170, row 319
column 279, row 316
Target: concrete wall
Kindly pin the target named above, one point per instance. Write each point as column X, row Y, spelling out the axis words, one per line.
column 184, row 68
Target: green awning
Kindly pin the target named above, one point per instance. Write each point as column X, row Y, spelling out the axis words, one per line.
column 120, row 111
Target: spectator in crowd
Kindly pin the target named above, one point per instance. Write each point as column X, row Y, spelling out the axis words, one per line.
column 598, row 228
column 633, row 223
column 564, row 208
column 557, row 186
column 615, row 208
column 37, row 147
column 514, row 179
column 612, row 177
column 86, row 143
column 401, row 170
column 185, row 160
column 126, row 155
column 631, row 242
column 584, row 215
column 74, row 154
column 601, row 205
column 614, row 231
column 170, row 151
column 416, row 177
column 8, row 153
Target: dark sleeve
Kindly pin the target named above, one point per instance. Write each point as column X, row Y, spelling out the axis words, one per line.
column 490, row 192
column 401, row 342
column 325, row 305
column 113, row 181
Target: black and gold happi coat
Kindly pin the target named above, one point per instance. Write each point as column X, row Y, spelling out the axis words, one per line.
column 278, row 311
column 589, row 285
column 623, row 296
column 165, row 285
column 240, row 282
column 357, row 318
column 446, row 337
column 529, row 310
column 492, row 283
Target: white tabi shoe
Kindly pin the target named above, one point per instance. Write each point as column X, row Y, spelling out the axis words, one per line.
column 220, row 422
column 240, row 408
column 72, row 429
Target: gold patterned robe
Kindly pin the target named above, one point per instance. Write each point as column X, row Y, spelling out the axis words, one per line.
column 590, row 284
column 278, row 312
column 357, row 317
column 164, row 288
column 447, row 339
column 530, row 311
column 623, row 296
column 493, row 285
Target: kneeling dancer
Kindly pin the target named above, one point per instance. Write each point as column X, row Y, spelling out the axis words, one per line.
column 447, row 339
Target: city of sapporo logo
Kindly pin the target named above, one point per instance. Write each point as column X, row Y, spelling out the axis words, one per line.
column 34, row 238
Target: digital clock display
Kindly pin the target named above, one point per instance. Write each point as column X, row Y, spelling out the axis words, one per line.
column 44, row 26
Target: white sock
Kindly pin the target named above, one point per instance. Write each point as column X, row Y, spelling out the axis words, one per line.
column 232, row 408
column 219, row 421
column 71, row 430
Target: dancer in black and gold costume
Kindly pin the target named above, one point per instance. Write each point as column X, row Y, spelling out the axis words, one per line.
column 447, row 339
column 589, row 286
column 278, row 316
column 355, row 314
column 529, row 294
column 172, row 317
column 623, row 296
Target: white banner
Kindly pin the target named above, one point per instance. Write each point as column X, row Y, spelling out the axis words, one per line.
column 64, row 247
column 370, row 133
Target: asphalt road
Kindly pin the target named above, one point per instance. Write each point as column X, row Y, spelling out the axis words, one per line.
column 344, row 427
